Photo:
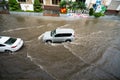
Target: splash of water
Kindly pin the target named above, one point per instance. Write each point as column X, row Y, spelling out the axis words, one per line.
column 40, row 37
column 32, row 59
column 66, row 25
column 67, row 47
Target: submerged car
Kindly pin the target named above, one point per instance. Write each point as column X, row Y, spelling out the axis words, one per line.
column 59, row 35
column 9, row 44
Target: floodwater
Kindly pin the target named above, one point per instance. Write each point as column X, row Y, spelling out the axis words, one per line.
column 94, row 55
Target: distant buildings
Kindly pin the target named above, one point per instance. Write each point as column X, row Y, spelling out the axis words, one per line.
column 113, row 6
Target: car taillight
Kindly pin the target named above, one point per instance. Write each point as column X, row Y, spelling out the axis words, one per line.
column 13, row 46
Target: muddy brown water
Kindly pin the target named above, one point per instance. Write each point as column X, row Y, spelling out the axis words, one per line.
column 94, row 55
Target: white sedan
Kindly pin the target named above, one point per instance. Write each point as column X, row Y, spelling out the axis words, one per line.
column 9, row 44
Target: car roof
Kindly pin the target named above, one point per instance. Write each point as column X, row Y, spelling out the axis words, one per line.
column 64, row 30
column 3, row 39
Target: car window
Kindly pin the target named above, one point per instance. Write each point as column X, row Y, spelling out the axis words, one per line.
column 10, row 41
column 58, row 35
column 67, row 35
column 53, row 32
column 63, row 35
column 1, row 45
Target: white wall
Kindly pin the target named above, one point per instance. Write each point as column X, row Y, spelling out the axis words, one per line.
column 33, row 1
column 26, row 7
column 45, row 2
column 108, row 2
column 87, row 3
column 118, row 8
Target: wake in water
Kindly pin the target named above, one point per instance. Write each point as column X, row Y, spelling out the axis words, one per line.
column 18, row 29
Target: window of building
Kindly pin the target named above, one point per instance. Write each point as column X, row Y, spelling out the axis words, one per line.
column 56, row 2
column 41, row 1
column 80, row 0
column 21, row 0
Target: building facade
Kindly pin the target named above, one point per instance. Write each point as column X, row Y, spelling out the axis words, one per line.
column 112, row 5
column 46, row 2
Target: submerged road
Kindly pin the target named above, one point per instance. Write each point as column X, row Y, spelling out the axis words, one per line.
column 94, row 55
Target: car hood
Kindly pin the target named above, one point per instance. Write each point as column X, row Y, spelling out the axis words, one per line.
column 47, row 35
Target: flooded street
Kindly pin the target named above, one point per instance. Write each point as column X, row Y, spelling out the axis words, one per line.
column 94, row 55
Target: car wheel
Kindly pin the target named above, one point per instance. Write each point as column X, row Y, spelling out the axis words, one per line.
column 48, row 41
column 8, row 51
column 68, row 41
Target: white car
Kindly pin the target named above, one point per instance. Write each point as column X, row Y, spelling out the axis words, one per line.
column 8, row 44
column 59, row 35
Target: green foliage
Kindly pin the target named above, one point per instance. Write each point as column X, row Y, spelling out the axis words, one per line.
column 91, row 12
column 13, row 5
column 81, row 5
column 69, row 4
column 3, row 2
column 37, row 2
column 97, row 15
column 37, row 6
column 29, row 11
column 75, row 5
column 63, row 4
column 72, row 5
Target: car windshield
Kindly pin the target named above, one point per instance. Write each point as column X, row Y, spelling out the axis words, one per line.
column 53, row 32
column 10, row 41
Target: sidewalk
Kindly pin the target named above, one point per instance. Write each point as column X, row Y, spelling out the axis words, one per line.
column 69, row 16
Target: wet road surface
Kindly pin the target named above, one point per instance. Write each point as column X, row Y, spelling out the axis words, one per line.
column 94, row 55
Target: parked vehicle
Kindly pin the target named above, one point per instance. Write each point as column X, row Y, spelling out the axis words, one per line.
column 59, row 35
column 9, row 44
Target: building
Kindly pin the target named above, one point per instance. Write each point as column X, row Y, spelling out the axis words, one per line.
column 44, row 2
column 113, row 6
column 52, row 6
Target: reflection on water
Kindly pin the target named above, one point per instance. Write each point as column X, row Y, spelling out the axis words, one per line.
column 94, row 55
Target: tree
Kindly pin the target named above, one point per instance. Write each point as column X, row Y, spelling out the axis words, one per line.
column 3, row 2
column 82, row 5
column 13, row 5
column 37, row 6
column 63, row 4
column 69, row 5
column 98, row 14
column 91, row 11
column 73, row 5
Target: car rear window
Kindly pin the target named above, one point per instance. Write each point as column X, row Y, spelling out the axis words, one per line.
column 10, row 41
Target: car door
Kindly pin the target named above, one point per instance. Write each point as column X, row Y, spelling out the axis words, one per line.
column 58, row 38
column 2, row 48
